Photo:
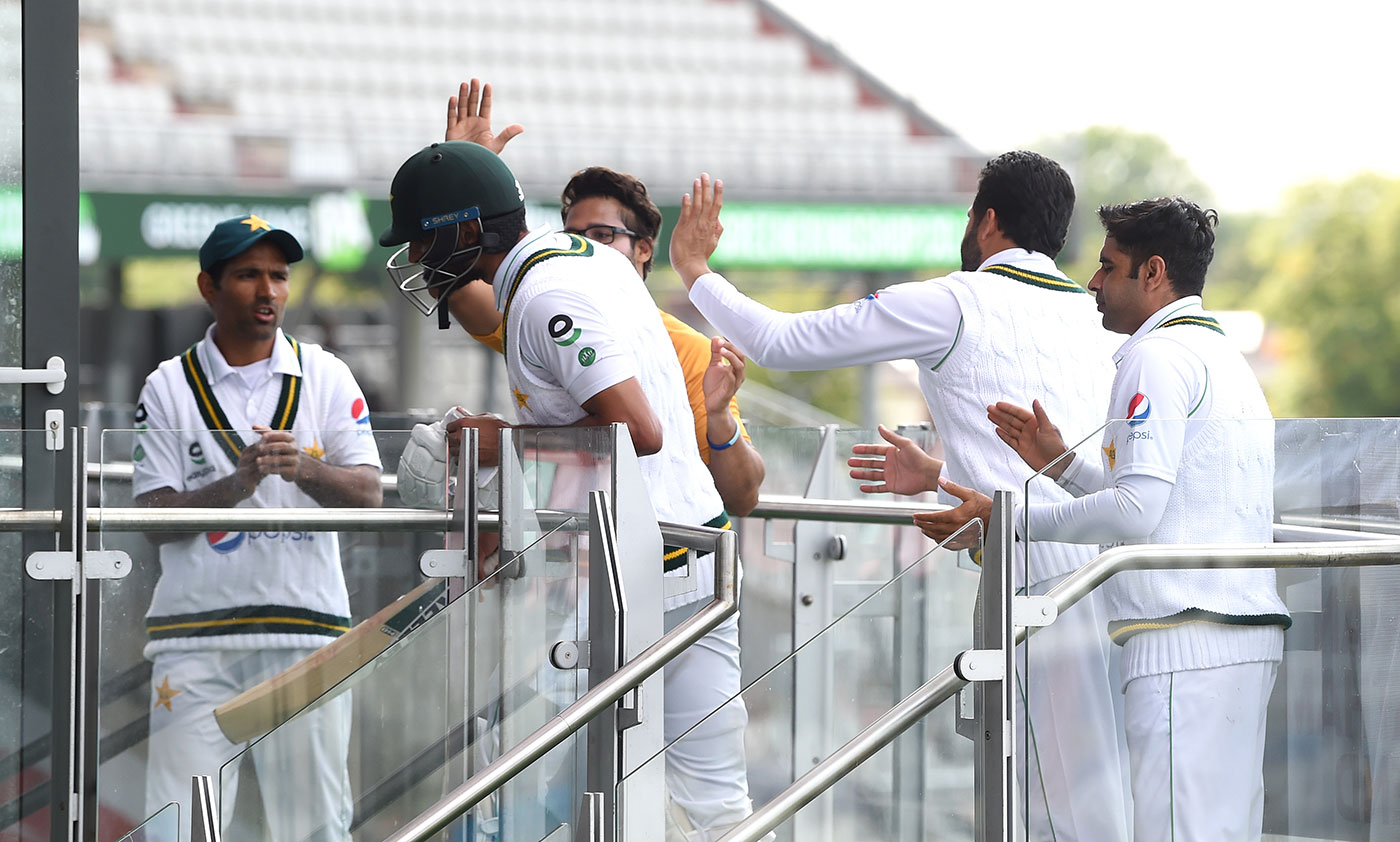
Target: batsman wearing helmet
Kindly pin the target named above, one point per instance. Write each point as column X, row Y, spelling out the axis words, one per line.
column 584, row 346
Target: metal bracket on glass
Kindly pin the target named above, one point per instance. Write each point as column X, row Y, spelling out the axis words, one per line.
column 629, row 710
column 570, row 654
column 980, row 665
column 1033, row 611
column 204, row 810
column 442, row 564
column 590, row 818
column 97, row 564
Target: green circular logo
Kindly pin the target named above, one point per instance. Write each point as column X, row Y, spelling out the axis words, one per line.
column 586, row 356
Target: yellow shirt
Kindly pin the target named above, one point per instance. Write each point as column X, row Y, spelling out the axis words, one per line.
column 693, row 351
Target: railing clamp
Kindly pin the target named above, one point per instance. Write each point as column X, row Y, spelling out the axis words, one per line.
column 980, row 665
column 570, row 654
column 1033, row 611
column 97, row 564
column 443, row 564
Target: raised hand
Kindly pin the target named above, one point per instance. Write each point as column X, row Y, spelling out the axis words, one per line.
column 899, row 467
column 469, row 117
column 1030, row 434
column 698, row 230
column 940, row 526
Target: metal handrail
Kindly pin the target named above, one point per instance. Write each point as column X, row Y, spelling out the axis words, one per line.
column 315, row 519
column 1076, row 586
column 576, row 716
column 787, row 507
column 311, row 519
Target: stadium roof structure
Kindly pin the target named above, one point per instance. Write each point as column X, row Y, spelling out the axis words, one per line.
column 289, row 96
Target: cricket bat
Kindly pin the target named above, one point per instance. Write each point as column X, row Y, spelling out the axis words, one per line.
column 259, row 709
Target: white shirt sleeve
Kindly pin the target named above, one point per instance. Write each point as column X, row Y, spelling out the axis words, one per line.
column 348, row 441
column 567, row 333
column 1131, row 508
column 157, row 454
column 1160, row 384
column 907, row 321
column 1082, row 476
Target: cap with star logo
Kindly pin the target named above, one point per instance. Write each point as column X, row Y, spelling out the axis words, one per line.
column 232, row 237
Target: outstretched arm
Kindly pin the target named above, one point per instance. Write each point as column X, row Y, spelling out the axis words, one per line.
column 909, row 321
column 737, row 468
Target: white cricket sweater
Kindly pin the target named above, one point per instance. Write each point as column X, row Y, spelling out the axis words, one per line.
column 578, row 319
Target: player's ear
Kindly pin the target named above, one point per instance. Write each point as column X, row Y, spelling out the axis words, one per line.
column 206, row 286
column 988, row 224
column 646, row 247
column 1154, row 273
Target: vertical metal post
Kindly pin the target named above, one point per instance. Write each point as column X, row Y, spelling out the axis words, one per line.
column 89, row 649
column 50, row 188
column 813, row 584
column 462, row 535
column 994, row 768
column 639, row 549
column 606, row 609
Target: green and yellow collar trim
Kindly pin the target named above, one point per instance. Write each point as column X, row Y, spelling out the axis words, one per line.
column 1035, row 279
column 216, row 420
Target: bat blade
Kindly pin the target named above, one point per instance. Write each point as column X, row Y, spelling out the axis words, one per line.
column 263, row 707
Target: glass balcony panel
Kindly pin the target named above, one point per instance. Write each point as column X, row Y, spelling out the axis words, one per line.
column 837, row 683
column 164, row 826
column 446, row 700
column 29, row 615
column 377, row 567
column 1322, row 699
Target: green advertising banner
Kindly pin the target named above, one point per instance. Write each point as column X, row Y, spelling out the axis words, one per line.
column 334, row 228
column 855, row 237
column 339, row 229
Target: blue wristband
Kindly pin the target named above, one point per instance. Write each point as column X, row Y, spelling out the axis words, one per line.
column 727, row 444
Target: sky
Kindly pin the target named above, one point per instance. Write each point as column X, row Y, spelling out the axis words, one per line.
column 1257, row 97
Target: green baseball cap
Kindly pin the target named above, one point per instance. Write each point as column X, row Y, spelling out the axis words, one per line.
column 448, row 182
column 232, row 237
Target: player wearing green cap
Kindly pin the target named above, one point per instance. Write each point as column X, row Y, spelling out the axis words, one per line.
column 248, row 416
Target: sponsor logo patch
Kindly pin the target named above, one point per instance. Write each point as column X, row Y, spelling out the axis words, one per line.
column 196, row 453
column 138, row 453
column 1139, row 408
column 586, row 356
column 359, row 410
column 562, row 331
column 224, row 543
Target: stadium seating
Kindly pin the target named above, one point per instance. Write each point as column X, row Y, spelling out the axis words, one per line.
column 346, row 89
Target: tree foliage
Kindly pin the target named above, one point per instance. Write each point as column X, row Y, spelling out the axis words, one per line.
column 1111, row 165
column 1328, row 264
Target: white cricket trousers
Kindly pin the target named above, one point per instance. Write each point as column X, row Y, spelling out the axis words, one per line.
column 706, row 770
column 302, row 772
column 1072, row 769
column 1196, row 746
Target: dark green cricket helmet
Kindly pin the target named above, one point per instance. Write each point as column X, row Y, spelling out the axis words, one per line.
column 449, row 182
